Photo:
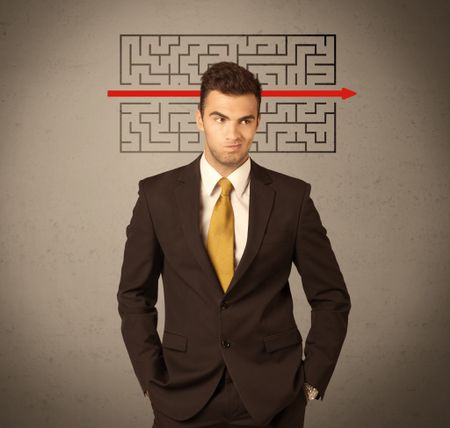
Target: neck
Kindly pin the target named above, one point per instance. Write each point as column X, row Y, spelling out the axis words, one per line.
column 223, row 170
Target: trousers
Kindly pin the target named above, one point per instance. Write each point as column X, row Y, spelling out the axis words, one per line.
column 225, row 409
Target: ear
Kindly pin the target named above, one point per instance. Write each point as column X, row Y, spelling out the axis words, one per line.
column 199, row 120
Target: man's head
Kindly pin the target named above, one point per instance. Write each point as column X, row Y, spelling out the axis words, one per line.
column 228, row 114
column 230, row 79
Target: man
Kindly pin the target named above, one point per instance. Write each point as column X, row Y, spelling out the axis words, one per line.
column 223, row 232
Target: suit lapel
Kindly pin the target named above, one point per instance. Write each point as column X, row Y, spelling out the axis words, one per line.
column 260, row 207
column 187, row 195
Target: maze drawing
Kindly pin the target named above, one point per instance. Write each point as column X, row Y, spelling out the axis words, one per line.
column 281, row 62
column 285, row 127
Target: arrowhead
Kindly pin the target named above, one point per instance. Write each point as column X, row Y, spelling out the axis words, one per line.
column 347, row 93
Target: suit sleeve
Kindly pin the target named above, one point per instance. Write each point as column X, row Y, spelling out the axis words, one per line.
column 326, row 293
column 138, row 293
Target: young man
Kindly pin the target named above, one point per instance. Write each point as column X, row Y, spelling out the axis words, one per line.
column 223, row 232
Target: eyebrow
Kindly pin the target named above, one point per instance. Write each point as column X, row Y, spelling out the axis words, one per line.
column 250, row 116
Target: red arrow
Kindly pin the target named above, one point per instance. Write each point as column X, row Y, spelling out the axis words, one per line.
column 343, row 93
column 153, row 93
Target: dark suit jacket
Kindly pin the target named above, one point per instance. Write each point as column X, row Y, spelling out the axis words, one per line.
column 250, row 328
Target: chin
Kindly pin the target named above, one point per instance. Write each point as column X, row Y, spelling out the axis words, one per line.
column 232, row 160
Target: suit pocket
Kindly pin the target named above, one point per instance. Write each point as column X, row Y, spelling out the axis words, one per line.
column 276, row 239
column 174, row 341
column 282, row 339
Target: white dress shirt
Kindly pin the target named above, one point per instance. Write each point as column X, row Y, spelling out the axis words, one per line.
column 239, row 197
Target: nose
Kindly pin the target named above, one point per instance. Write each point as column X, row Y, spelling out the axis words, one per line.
column 232, row 132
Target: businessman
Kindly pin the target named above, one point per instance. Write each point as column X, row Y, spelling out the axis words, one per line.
column 223, row 232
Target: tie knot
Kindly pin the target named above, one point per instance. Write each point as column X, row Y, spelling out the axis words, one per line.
column 226, row 186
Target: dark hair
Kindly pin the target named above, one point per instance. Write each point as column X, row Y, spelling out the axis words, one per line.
column 230, row 79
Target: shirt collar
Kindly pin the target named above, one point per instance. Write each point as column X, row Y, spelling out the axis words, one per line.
column 239, row 177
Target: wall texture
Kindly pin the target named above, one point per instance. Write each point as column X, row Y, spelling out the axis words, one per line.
column 66, row 195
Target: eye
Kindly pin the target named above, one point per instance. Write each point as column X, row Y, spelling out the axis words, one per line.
column 219, row 119
column 246, row 121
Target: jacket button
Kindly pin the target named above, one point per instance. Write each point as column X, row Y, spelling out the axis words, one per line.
column 224, row 305
column 226, row 344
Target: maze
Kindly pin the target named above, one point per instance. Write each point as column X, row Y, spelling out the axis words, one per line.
column 281, row 62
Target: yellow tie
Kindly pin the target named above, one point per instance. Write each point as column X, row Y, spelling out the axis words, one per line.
column 220, row 245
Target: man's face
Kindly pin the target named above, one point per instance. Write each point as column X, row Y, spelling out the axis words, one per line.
column 229, row 123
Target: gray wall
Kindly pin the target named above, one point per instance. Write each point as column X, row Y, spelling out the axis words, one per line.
column 66, row 195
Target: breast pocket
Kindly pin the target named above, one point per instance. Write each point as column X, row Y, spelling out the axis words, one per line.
column 277, row 238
